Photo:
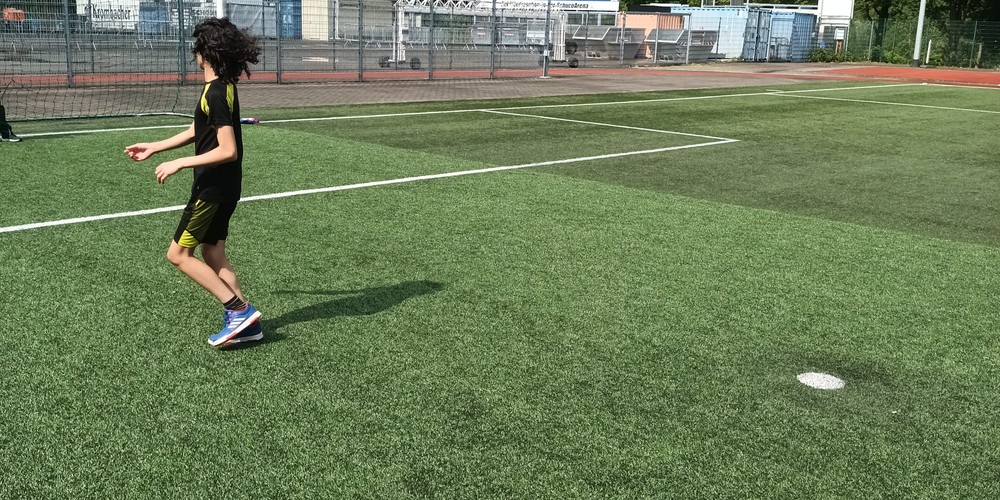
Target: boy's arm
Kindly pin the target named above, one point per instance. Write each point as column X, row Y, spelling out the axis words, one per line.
column 225, row 152
column 141, row 151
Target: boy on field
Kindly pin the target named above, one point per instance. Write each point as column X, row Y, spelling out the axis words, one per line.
column 223, row 52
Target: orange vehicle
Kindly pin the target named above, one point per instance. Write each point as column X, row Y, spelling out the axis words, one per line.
column 12, row 14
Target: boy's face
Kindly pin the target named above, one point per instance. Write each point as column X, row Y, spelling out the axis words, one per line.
column 201, row 60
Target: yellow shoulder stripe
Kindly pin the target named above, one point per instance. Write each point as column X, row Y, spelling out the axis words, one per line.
column 230, row 97
column 204, row 99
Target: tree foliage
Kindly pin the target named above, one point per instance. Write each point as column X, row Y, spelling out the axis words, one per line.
column 955, row 10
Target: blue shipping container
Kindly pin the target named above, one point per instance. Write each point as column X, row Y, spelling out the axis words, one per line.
column 730, row 22
column 791, row 36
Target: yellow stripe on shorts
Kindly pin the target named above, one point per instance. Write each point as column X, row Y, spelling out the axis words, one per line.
column 201, row 220
column 188, row 240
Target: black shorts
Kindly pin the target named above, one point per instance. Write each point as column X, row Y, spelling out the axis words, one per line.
column 204, row 222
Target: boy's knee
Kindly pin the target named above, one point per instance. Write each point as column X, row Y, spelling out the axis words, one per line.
column 177, row 255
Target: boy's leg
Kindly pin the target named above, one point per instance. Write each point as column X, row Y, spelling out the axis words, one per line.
column 237, row 321
column 207, row 223
column 201, row 221
column 199, row 271
column 215, row 257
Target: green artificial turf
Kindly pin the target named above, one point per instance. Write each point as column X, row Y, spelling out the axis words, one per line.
column 627, row 327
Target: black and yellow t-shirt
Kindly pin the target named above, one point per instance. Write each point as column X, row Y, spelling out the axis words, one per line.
column 219, row 106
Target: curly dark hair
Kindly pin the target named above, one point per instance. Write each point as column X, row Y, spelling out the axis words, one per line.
column 226, row 48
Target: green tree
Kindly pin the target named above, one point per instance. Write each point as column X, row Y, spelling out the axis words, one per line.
column 955, row 10
column 945, row 21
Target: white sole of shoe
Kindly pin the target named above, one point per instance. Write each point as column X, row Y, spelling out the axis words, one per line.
column 252, row 338
column 222, row 341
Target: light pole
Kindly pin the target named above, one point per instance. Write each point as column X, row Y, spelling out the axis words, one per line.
column 920, row 34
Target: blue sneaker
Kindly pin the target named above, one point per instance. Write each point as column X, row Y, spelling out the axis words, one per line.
column 236, row 322
column 252, row 333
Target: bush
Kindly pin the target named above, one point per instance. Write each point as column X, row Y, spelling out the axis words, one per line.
column 891, row 57
column 820, row 55
column 826, row 55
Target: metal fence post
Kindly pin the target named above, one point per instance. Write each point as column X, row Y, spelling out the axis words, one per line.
column 333, row 32
column 656, row 42
column 277, row 23
column 718, row 41
column 181, row 63
column 93, row 47
column 450, row 39
column 69, row 52
column 430, row 46
column 545, row 47
column 871, row 39
column 972, row 51
column 361, row 50
column 493, row 40
column 881, row 52
column 687, row 52
column 621, row 42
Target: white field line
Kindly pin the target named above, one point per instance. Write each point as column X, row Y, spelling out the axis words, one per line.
column 136, row 213
column 512, row 108
column 641, row 129
column 476, row 171
column 986, row 86
column 695, row 98
column 835, row 89
column 103, row 130
column 887, row 103
column 287, row 194
column 92, row 218
column 384, row 115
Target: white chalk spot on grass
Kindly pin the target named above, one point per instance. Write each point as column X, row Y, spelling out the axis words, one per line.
column 823, row 381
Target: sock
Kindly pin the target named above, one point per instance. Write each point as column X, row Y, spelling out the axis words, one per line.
column 235, row 304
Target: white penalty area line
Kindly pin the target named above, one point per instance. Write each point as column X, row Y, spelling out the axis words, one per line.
column 698, row 98
column 836, row 89
column 971, row 86
column 885, row 103
column 612, row 125
column 404, row 180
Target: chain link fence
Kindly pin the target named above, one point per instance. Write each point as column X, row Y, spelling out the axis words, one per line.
column 963, row 44
column 69, row 58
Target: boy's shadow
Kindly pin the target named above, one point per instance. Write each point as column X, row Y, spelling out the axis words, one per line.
column 361, row 302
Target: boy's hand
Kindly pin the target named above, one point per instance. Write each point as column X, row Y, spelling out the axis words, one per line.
column 139, row 152
column 166, row 169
